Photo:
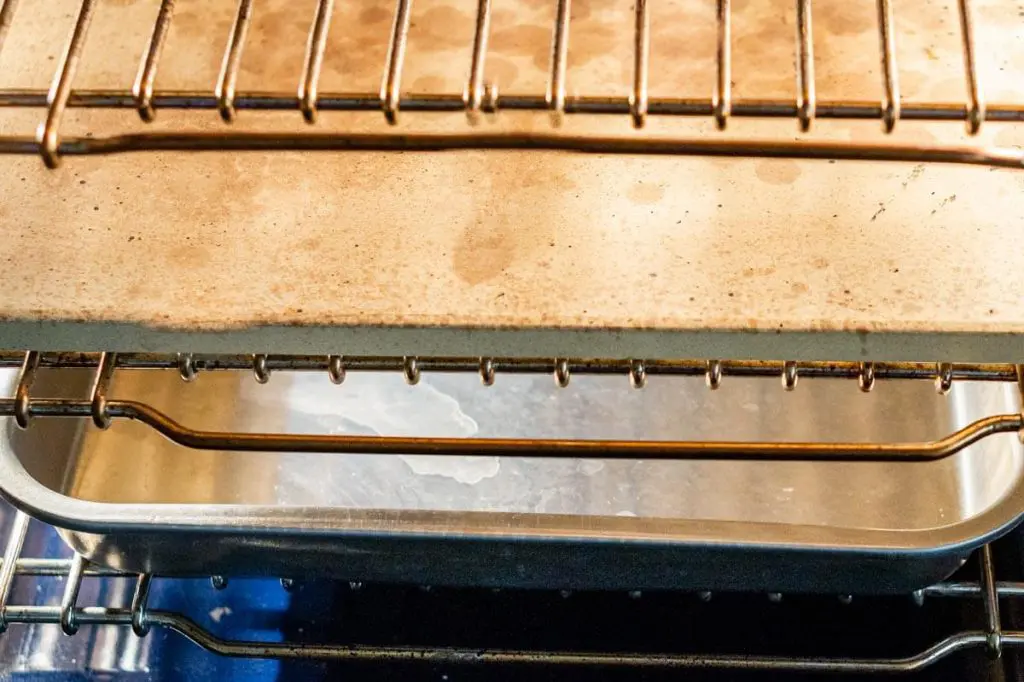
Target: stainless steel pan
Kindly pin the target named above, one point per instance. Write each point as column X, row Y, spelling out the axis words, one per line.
column 128, row 498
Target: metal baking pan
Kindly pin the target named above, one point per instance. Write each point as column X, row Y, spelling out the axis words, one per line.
column 130, row 499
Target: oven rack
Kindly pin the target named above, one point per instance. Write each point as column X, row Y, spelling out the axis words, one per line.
column 69, row 615
column 101, row 410
column 481, row 96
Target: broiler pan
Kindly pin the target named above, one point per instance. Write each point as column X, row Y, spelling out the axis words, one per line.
column 128, row 498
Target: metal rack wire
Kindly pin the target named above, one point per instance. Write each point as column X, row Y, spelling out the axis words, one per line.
column 480, row 97
column 69, row 615
column 101, row 410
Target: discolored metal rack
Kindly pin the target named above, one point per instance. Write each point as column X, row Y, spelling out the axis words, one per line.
column 70, row 616
column 101, row 410
column 480, row 97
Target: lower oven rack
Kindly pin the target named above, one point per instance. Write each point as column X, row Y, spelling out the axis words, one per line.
column 101, row 411
column 881, row 513
column 69, row 615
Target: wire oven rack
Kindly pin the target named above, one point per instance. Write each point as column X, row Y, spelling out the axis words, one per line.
column 481, row 97
column 101, row 410
column 69, row 615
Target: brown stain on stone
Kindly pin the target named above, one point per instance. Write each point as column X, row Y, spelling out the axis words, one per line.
column 521, row 232
column 501, row 72
column 911, row 308
column 799, row 288
column 524, row 40
column 595, row 39
column 682, row 47
column 190, row 256
column 762, row 51
column 377, row 14
column 646, row 193
column 563, row 181
column 441, row 28
column 216, row 202
column 135, row 289
column 777, row 171
column 485, row 250
column 529, row 180
column 428, row 84
column 842, row 18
